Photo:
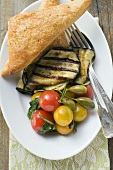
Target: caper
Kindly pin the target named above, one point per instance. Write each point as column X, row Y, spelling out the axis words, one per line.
column 78, row 89
column 86, row 102
column 68, row 102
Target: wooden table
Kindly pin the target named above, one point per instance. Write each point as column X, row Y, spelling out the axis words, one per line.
column 101, row 8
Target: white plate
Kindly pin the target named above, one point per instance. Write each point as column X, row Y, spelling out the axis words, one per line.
column 15, row 105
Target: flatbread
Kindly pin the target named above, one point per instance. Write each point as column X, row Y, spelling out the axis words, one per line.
column 30, row 33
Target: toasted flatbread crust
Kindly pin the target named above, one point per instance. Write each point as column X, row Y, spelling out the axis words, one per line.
column 60, row 41
column 47, row 4
column 30, row 33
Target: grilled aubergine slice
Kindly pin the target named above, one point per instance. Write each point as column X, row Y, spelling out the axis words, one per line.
column 85, row 56
column 57, row 66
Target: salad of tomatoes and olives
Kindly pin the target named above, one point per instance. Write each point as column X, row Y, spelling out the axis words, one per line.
column 60, row 110
column 60, row 89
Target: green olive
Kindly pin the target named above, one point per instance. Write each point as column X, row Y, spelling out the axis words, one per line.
column 86, row 102
column 78, row 89
column 68, row 102
column 70, row 94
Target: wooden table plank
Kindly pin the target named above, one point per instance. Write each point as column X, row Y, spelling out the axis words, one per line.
column 102, row 8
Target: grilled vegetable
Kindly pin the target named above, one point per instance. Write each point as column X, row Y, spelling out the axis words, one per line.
column 55, row 67
column 27, row 73
column 85, row 56
column 58, row 66
column 39, row 80
column 46, row 72
column 57, row 87
column 28, row 89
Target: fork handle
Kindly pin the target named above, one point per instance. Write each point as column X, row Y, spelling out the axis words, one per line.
column 105, row 117
column 106, row 121
column 106, row 99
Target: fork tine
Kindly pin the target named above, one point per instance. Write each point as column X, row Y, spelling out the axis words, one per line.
column 71, row 41
column 75, row 40
column 78, row 38
column 82, row 37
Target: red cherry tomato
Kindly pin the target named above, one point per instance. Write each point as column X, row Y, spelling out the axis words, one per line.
column 88, row 94
column 37, row 121
column 49, row 100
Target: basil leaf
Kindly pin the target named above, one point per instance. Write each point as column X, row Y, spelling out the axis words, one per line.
column 45, row 128
column 71, row 124
column 34, row 105
column 75, row 126
column 63, row 94
column 46, row 120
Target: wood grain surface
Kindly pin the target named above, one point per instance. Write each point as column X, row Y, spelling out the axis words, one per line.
column 99, row 8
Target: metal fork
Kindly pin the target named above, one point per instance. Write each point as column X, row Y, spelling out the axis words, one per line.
column 105, row 117
column 77, row 39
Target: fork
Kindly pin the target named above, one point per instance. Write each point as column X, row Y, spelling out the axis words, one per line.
column 77, row 39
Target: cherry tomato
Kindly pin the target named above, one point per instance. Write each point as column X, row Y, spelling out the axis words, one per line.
column 88, row 94
column 64, row 130
column 80, row 113
column 63, row 115
column 49, row 100
column 36, row 95
column 37, row 122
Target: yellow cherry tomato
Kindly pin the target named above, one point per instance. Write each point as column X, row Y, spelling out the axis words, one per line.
column 64, row 130
column 80, row 113
column 63, row 115
column 36, row 95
